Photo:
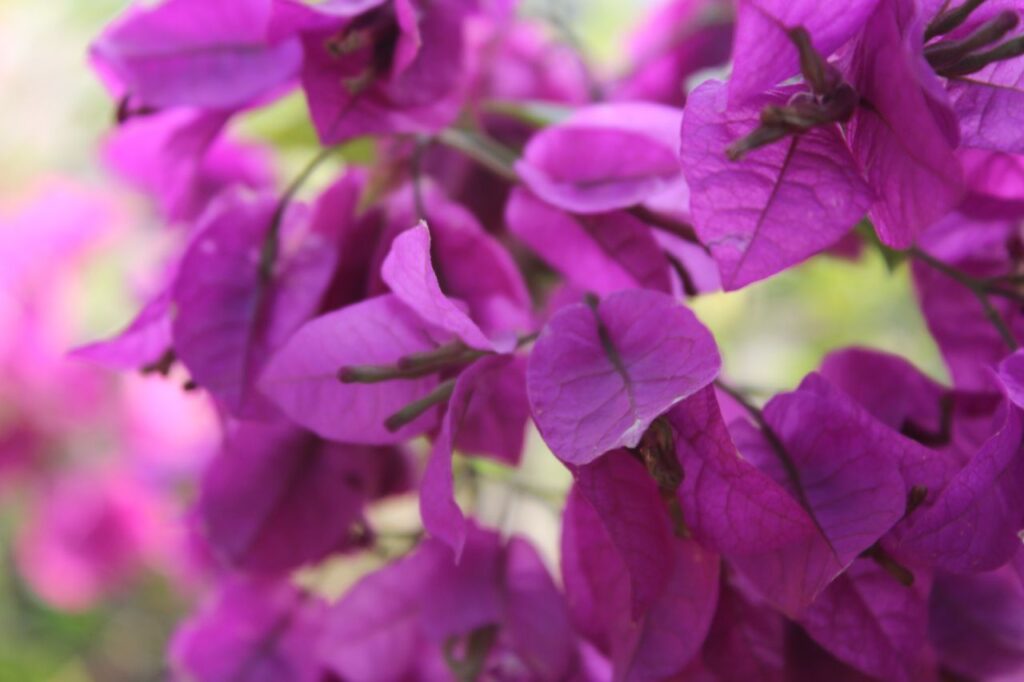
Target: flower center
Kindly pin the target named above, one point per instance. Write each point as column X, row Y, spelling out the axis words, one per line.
column 830, row 100
column 953, row 57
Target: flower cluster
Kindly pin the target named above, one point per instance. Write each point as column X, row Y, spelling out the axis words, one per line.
column 520, row 247
column 89, row 461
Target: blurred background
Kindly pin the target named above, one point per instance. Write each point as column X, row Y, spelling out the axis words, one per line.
column 96, row 469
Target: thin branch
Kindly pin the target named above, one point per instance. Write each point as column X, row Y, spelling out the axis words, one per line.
column 979, row 287
column 271, row 244
column 488, row 153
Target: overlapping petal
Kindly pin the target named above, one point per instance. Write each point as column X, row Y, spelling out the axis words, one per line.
column 599, row 375
column 780, row 204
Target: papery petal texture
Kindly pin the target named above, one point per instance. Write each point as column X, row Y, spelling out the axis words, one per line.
column 738, row 510
column 472, row 267
column 869, row 620
column 146, row 338
column 604, row 157
column 988, row 105
column 229, row 317
column 779, row 204
column 889, row 387
column 844, row 465
column 183, row 160
column 601, row 253
column 765, row 55
column 374, row 632
column 472, row 407
column 663, row 641
column 407, row 270
column 302, row 378
column 729, row 504
column 629, row 507
column 277, row 497
column 349, row 93
column 896, row 138
column 494, row 423
column 973, row 524
column 828, row 488
column 970, row 345
column 599, row 375
column 211, row 54
column 253, row 630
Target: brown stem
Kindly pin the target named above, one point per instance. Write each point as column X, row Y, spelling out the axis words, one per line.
column 979, row 287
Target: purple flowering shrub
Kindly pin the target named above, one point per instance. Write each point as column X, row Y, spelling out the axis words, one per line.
column 521, row 247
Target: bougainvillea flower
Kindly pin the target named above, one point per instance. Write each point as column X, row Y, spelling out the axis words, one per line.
column 887, row 89
column 601, row 372
column 601, row 253
column 302, row 378
column 763, row 52
column 46, row 237
column 871, row 621
column 626, row 500
column 487, row 413
column 663, row 639
column 676, row 41
column 984, row 76
column 483, row 307
column 894, row 391
column 958, row 322
column 795, row 540
column 744, row 211
column 234, row 309
column 379, row 67
column 513, row 59
column 995, row 183
column 253, row 630
column 87, row 537
column 920, row 467
column 968, row 519
column 496, row 612
column 47, row 230
column 182, row 160
column 209, row 54
column 409, row 273
column 973, row 523
column 514, row 67
column 169, row 434
column 862, row 526
column 899, row 136
column 476, row 270
column 733, row 507
column 145, row 340
column 277, row 497
column 604, row 157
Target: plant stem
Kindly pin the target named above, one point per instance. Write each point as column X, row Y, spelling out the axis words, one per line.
column 979, row 287
column 488, row 153
column 271, row 244
column 410, row 412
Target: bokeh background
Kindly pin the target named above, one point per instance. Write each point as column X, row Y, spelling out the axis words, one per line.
column 86, row 456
